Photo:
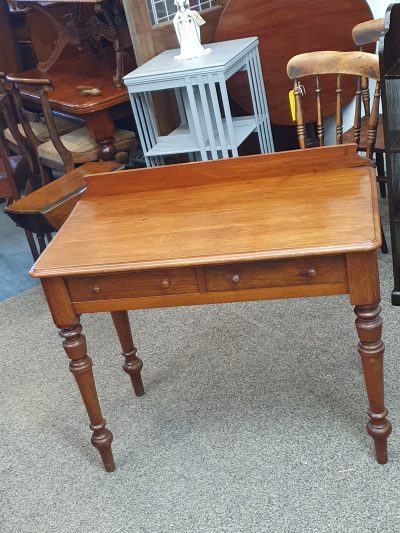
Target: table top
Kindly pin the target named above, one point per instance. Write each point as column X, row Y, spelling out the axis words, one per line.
column 164, row 66
column 286, row 28
column 83, row 69
column 289, row 204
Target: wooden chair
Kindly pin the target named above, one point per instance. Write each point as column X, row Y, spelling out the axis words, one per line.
column 37, row 124
column 61, row 152
column 363, row 34
column 359, row 64
column 16, row 172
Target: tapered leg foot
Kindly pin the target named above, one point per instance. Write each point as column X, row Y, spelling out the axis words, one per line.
column 102, row 439
column 371, row 349
column 132, row 364
column 74, row 344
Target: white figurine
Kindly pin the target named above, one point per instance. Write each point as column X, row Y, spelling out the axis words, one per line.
column 187, row 26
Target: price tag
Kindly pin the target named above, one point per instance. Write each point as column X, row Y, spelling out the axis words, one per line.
column 292, row 104
column 198, row 18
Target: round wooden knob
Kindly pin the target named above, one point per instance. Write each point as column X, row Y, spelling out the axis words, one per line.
column 165, row 283
column 96, row 289
column 312, row 273
column 235, row 278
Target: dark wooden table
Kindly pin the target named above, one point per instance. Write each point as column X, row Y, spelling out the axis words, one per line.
column 249, row 228
column 285, row 29
column 98, row 112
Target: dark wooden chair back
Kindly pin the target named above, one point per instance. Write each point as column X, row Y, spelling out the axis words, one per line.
column 41, row 87
column 9, row 118
column 16, row 171
column 359, row 64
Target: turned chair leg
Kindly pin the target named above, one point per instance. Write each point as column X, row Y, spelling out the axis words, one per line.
column 132, row 364
column 74, row 344
column 371, row 349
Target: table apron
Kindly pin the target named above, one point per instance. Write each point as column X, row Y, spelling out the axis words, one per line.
column 274, row 279
column 271, row 293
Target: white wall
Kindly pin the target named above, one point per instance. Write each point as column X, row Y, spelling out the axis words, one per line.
column 378, row 7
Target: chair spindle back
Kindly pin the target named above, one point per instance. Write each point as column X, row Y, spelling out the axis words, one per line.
column 42, row 87
column 360, row 64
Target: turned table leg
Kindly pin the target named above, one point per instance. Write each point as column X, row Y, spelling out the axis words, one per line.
column 371, row 349
column 132, row 364
column 101, row 127
column 74, row 344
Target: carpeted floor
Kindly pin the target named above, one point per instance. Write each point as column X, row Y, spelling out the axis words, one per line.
column 253, row 421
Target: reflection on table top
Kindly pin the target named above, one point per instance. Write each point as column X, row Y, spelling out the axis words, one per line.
column 243, row 209
column 83, row 69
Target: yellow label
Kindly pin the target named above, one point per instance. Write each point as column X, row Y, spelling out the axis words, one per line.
column 198, row 18
column 292, row 104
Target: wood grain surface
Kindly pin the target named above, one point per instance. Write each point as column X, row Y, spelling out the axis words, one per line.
column 246, row 209
column 81, row 69
column 285, row 29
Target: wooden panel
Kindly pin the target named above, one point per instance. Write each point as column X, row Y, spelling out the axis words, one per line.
column 363, row 276
column 59, row 302
column 244, row 168
column 140, row 284
column 311, row 270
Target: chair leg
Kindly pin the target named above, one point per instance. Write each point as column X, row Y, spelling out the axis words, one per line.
column 384, row 246
column 32, row 244
column 380, row 167
column 42, row 242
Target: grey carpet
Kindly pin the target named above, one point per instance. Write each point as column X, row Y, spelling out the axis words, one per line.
column 253, row 421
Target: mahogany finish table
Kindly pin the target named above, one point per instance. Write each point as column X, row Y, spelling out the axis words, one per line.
column 285, row 29
column 285, row 225
column 96, row 111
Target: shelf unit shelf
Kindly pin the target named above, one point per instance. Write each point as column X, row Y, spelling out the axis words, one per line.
column 181, row 141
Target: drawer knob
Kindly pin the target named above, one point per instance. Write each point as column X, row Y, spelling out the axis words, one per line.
column 235, row 278
column 96, row 289
column 312, row 273
column 165, row 283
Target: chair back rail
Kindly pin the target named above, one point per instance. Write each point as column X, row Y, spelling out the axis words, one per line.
column 359, row 64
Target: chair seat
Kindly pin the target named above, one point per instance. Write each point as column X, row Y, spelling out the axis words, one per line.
column 84, row 149
column 348, row 136
column 63, row 125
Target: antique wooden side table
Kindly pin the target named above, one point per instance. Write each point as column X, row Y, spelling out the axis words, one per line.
column 285, row 225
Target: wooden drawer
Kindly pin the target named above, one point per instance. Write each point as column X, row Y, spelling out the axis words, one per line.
column 288, row 272
column 132, row 284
